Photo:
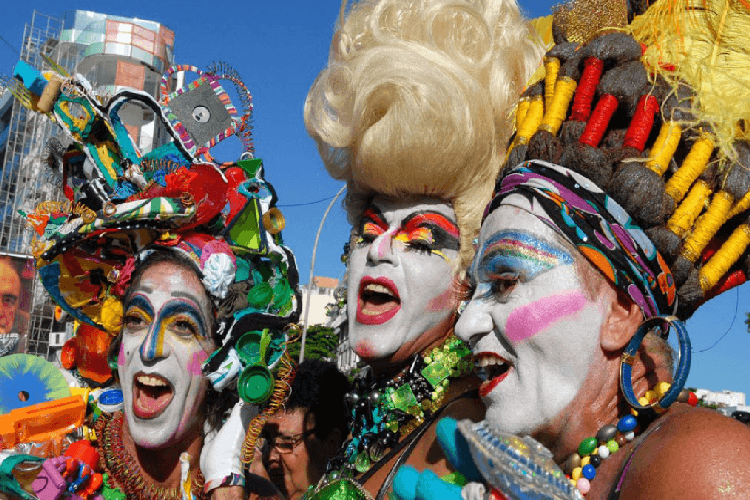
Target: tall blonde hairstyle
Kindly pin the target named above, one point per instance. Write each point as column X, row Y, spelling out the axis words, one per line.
column 416, row 98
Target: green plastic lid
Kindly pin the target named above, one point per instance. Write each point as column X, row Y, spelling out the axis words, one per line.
column 256, row 384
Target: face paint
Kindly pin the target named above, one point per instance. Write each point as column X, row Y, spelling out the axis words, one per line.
column 400, row 275
column 532, row 328
column 164, row 342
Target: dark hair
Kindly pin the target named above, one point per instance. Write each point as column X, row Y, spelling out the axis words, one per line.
column 319, row 387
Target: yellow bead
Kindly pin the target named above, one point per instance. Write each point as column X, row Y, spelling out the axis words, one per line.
column 643, row 401
column 650, row 396
column 573, row 482
column 585, row 460
column 662, row 388
column 576, row 474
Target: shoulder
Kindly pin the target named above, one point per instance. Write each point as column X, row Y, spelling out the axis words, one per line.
column 695, row 453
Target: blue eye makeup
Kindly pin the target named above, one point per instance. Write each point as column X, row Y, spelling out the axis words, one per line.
column 513, row 255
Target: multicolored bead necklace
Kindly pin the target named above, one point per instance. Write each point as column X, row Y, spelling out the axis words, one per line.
column 388, row 409
column 581, row 467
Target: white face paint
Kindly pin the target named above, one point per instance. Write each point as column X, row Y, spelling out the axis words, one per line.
column 400, row 275
column 165, row 340
column 530, row 323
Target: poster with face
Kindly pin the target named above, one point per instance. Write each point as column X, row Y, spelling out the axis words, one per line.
column 16, row 280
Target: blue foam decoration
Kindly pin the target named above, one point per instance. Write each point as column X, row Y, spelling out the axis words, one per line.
column 456, row 448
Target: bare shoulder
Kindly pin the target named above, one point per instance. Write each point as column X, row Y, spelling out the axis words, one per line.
column 695, row 453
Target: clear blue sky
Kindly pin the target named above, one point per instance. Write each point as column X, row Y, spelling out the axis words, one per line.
column 278, row 48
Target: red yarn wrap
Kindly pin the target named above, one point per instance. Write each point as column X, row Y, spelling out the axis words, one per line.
column 597, row 124
column 642, row 122
column 592, row 72
column 727, row 282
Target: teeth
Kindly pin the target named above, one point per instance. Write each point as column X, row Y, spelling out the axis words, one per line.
column 489, row 367
column 151, row 381
column 376, row 288
column 487, row 361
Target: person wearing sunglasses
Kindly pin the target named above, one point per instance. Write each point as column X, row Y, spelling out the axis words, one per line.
column 299, row 441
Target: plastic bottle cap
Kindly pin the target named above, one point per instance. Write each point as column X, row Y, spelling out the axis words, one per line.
column 110, row 400
column 255, row 384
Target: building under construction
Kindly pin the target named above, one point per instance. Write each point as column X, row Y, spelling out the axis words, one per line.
column 111, row 52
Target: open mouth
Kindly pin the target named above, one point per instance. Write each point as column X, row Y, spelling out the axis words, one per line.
column 491, row 370
column 151, row 395
column 378, row 301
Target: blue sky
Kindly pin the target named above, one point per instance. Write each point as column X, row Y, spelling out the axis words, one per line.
column 278, row 48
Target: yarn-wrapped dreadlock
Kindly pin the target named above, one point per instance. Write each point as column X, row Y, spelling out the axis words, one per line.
column 659, row 130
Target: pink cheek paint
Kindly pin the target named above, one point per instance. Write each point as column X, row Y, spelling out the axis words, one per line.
column 442, row 302
column 364, row 349
column 121, row 355
column 196, row 363
column 528, row 320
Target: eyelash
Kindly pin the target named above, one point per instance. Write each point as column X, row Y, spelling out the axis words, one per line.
column 419, row 246
column 187, row 325
column 502, row 284
column 132, row 317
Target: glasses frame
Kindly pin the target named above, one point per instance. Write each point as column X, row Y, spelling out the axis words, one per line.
column 293, row 440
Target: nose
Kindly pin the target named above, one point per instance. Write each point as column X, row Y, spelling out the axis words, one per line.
column 381, row 250
column 475, row 322
column 154, row 346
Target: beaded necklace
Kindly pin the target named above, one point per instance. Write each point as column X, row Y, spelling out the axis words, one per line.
column 581, row 467
column 126, row 471
column 388, row 409
column 522, row 467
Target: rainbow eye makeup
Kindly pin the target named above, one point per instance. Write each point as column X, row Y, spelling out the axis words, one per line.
column 512, row 256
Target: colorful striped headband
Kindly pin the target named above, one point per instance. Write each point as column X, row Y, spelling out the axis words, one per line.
column 599, row 228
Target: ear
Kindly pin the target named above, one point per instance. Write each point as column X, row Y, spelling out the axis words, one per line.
column 621, row 323
column 333, row 441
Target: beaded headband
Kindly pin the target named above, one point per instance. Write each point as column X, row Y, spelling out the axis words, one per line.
column 123, row 203
column 637, row 120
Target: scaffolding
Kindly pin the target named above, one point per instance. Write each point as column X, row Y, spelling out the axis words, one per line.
column 25, row 181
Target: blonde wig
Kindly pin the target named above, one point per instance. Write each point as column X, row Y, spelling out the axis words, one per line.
column 416, row 98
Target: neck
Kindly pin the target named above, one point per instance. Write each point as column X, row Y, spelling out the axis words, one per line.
column 598, row 403
column 161, row 466
column 400, row 360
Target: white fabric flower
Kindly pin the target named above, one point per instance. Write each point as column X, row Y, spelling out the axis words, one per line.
column 218, row 274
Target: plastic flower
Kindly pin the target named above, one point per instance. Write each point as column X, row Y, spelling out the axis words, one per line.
column 218, row 274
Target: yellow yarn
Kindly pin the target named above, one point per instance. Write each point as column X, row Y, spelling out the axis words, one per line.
column 693, row 165
column 531, row 121
column 728, row 254
column 740, row 206
column 556, row 112
column 664, row 147
column 707, row 225
column 521, row 110
column 706, row 42
column 689, row 210
column 552, row 69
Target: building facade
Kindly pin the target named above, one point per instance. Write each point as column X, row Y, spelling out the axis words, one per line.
column 111, row 52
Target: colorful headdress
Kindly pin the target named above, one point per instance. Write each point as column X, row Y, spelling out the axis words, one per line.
column 123, row 203
column 653, row 115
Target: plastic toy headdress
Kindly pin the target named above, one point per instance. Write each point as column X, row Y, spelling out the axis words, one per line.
column 123, row 203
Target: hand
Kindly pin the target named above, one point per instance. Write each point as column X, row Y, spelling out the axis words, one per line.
column 221, row 456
